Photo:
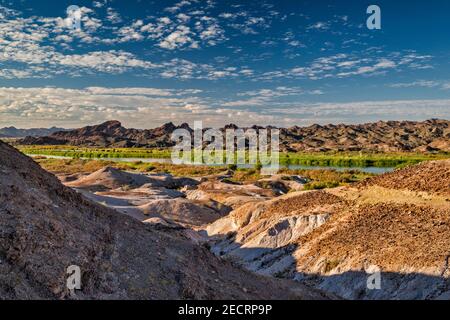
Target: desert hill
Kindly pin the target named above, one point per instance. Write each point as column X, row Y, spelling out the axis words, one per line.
column 433, row 176
column 112, row 178
column 110, row 134
column 12, row 132
column 390, row 136
column 331, row 238
column 46, row 227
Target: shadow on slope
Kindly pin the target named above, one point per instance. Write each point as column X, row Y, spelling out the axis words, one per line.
column 46, row 227
column 368, row 283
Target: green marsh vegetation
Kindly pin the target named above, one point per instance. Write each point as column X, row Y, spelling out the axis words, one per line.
column 318, row 178
column 96, row 153
column 322, row 159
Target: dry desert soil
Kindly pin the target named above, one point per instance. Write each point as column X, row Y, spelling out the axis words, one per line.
column 156, row 236
column 46, row 227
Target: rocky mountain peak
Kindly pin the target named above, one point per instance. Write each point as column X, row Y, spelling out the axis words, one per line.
column 168, row 127
column 111, row 124
column 231, row 126
column 185, row 126
column 390, row 136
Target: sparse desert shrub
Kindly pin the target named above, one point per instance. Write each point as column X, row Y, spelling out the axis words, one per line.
column 316, row 185
column 331, row 265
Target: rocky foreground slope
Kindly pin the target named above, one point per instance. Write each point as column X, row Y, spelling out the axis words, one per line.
column 390, row 136
column 397, row 223
column 46, row 227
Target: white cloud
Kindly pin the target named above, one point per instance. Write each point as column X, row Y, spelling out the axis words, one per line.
column 345, row 65
column 381, row 65
column 14, row 74
column 29, row 41
column 186, row 70
column 134, row 107
column 131, row 33
column 183, row 17
column 178, row 6
column 177, row 39
column 109, row 61
column 178, row 32
column 113, row 16
column 44, row 47
column 150, row 107
column 319, row 26
column 141, row 91
column 76, row 107
column 422, row 83
column 419, row 83
column 99, row 3
column 265, row 97
column 369, row 111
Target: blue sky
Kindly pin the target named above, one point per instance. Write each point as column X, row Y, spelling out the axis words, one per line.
column 247, row 62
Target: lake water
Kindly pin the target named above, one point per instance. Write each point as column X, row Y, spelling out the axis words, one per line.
column 374, row 170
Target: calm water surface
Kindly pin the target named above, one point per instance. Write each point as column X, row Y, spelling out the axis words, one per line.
column 374, row 170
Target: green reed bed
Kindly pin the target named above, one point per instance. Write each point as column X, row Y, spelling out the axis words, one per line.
column 321, row 159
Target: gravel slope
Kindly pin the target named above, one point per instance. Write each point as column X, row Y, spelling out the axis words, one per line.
column 46, row 227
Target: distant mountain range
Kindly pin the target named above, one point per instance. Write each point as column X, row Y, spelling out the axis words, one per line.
column 109, row 134
column 13, row 132
column 382, row 136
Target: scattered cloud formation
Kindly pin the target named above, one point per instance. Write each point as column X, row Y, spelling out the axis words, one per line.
column 258, row 63
column 444, row 85
column 263, row 97
column 150, row 107
column 345, row 65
